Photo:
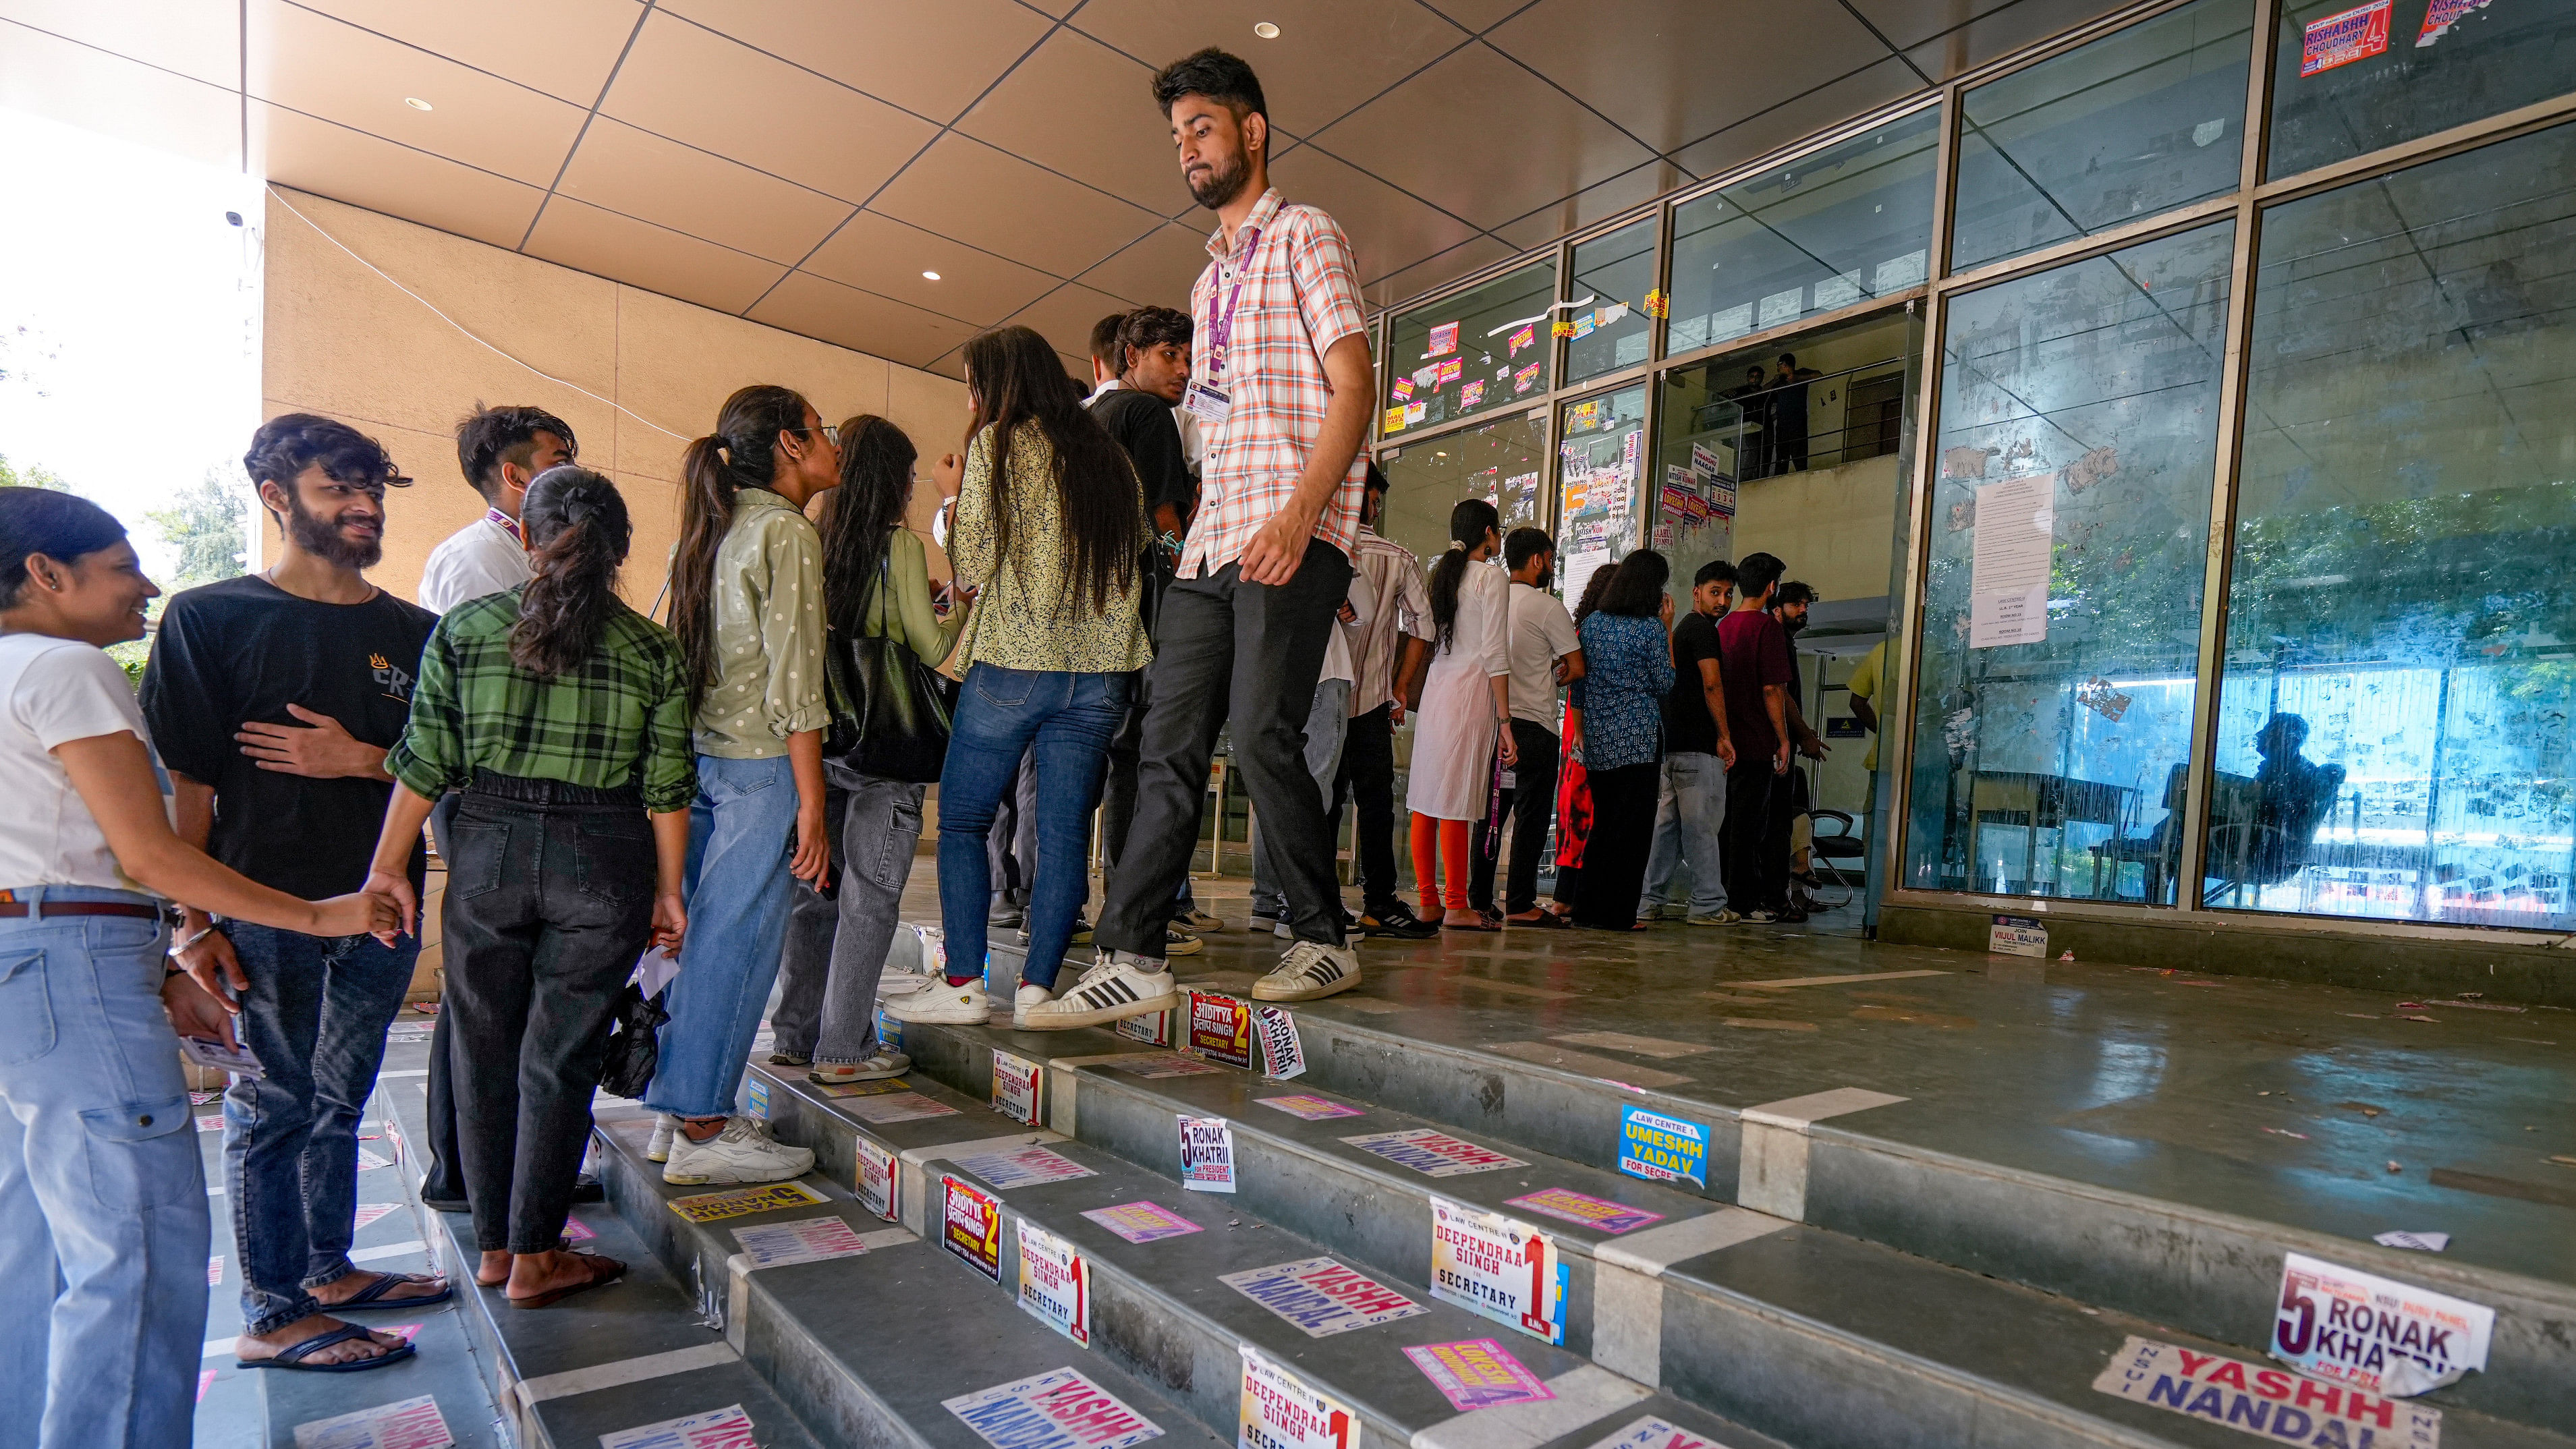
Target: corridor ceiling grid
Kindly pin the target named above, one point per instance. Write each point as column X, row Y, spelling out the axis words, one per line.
column 809, row 163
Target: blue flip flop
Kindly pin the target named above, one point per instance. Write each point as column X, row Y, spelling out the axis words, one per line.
column 293, row 1358
column 373, row 1295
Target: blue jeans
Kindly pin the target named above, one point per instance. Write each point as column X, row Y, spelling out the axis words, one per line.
column 315, row 1016
column 103, row 1223
column 742, row 829
column 1064, row 722
column 1686, row 824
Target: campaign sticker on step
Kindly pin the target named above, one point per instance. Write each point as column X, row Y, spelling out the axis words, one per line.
column 1593, row 1212
column 1017, row 1085
column 807, row 1240
column 1207, row 1154
column 755, row 1092
column 1478, row 1374
column 2374, row 1333
column 1059, row 1409
column 1281, row 1411
column 876, row 1178
column 409, row 1424
column 1322, row 1297
column 368, row 1212
column 1508, row 1271
column 715, row 1207
column 877, row 1088
column 1221, row 1028
column 1174, row 1065
column 1023, row 1166
column 1282, row 1055
column 1142, row 1222
column 889, row 1029
column 1312, row 1108
column 2017, row 936
column 725, row 1428
column 1154, row 1028
column 906, row 1105
column 1662, row 1149
column 1653, row 1433
column 577, row 1231
column 1054, row 1283
column 970, row 1225
column 2264, row 1402
column 1433, row 1154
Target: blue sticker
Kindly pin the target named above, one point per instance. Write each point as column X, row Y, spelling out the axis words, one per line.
column 1662, row 1149
column 889, row 1030
column 758, row 1090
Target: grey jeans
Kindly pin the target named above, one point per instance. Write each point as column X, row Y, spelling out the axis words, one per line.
column 836, row 948
column 1327, row 725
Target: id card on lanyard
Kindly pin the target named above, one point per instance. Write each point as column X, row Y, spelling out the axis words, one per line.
column 1211, row 401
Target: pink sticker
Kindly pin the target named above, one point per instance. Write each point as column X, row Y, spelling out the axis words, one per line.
column 211, row 1122
column 1312, row 1108
column 1142, row 1222
column 369, row 1212
column 205, row 1381
column 575, row 1231
column 1591, row 1212
column 1478, row 1374
column 2356, row 34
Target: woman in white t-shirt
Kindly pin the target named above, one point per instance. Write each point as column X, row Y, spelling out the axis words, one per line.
column 1459, row 730
column 101, row 1187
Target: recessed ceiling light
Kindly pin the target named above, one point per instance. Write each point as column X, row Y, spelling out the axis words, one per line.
column 1266, row 30
column 417, row 104
column 930, row 276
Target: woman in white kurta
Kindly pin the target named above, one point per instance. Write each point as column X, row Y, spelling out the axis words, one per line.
column 1459, row 726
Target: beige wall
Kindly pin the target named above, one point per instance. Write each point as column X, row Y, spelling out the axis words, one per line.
column 1834, row 527
column 342, row 341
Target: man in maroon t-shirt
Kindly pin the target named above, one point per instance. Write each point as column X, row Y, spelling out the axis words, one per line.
column 1753, row 663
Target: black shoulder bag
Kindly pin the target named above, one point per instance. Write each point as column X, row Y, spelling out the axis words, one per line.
column 889, row 709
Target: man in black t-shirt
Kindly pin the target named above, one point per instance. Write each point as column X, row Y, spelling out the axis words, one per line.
column 272, row 699
column 1698, row 751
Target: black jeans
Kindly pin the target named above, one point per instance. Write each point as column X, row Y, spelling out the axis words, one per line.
column 440, row 1180
column 1757, row 873
column 549, row 901
column 1367, row 779
column 1614, row 857
column 1250, row 653
column 1532, row 802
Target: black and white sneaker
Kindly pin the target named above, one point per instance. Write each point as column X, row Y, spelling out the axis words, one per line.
column 1117, row 988
column 1310, row 971
column 1399, row 924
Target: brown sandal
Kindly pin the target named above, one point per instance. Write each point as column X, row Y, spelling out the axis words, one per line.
column 608, row 1271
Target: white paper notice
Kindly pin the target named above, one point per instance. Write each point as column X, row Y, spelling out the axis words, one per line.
column 2373, row 1333
column 1579, row 567
column 2008, row 582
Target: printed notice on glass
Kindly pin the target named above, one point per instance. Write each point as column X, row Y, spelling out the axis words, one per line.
column 2008, row 583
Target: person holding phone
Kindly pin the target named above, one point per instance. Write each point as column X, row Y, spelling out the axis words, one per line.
column 103, row 1212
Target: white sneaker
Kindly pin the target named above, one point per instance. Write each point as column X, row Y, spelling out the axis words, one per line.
column 884, row 1063
column 903, row 983
column 743, row 1152
column 943, row 1005
column 659, row 1149
column 1310, row 971
column 1030, row 995
column 1114, row 989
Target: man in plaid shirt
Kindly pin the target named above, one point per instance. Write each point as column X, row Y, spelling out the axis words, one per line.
column 1280, row 383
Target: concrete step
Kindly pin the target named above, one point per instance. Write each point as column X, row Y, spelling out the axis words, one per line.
column 2196, row 1270
column 1813, row 1336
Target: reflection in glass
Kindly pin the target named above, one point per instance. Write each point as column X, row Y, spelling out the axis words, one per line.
column 2143, row 120
column 1612, row 275
column 1842, row 225
column 1600, row 451
column 1475, row 352
column 1498, row 461
column 2077, row 436
column 2401, row 621
column 2345, row 81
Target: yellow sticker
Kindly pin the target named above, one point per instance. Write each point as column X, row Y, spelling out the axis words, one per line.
column 1394, row 420
column 709, row 1207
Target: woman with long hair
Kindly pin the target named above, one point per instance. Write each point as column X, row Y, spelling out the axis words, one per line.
column 1627, row 671
column 747, row 607
column 1573, row 785
column 876, row 584
column 1462, row 724
column 561, row 718
column 1051, row 530
column 101, row 1185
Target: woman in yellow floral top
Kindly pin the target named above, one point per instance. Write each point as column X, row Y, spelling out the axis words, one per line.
column 1050, row 529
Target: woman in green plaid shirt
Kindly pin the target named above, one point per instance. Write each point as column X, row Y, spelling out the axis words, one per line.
column 562, row 716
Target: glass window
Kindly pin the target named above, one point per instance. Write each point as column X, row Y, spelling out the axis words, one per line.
column 2138, row 122
column 2077, row 440
column 1479, row 351
column 1498, row 461
column 1600, row 451
column 1839, row 226
column 2401, row 622
column 1607, row 293
column 2350, row 78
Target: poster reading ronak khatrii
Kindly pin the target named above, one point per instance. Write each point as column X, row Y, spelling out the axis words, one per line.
column 2374, row 1333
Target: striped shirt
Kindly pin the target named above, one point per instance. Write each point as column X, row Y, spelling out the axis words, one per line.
column 1300, row 295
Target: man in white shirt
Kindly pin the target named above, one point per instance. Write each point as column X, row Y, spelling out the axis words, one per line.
column 1385, row 650
column 1544, row 654
column 502, row 450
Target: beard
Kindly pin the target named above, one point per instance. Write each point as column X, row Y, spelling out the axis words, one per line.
column 322, row 537
column 1221, row 184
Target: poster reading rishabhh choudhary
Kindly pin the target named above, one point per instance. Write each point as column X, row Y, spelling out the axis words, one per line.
column 2374, row 1333
column 1281, row 1412
column 1507, row 1271
column 2268, row 1403
column 970, row 1225
column 1055, row 1283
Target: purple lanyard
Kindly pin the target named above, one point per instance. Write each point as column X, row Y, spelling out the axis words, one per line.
column 1221, row 326
column 508, row 525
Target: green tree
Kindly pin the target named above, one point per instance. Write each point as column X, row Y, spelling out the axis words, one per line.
column 34, row 475
column 204, row 528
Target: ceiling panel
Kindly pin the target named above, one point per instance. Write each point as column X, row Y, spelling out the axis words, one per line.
column 933, row 60
column 1458, row 261
column 1065, row 318
column 2002, row 31
column 879, row 254
column 966, row 189
column 367, row 171
column 671, row 185
column 322, row 67
column 1864, row 90
column 621, row 248
column 79, row 85
column 698, row 87
column 1592, row 204
column 195, row 39
column 1156, row 270
column 565, row 48
column 1908, row 22
column 1476, row 15
column 1331, row 55
column 862, row 320
column 1655, row 74
column 1389, row 230
column 1081, row 108
column 1484, row 139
